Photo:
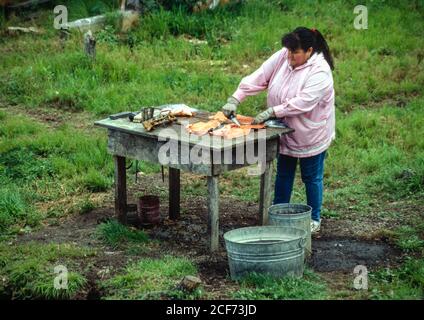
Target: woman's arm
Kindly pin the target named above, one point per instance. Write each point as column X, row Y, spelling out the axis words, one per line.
column 316, row 87
column 258, row 80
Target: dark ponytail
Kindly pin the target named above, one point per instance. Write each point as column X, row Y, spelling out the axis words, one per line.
column 304, row 38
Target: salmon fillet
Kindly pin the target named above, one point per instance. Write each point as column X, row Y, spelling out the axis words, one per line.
column 222, row 118
column 244, row 119
column 231, row 131
column 201, row 128
column 180, row 111
column 219, row 116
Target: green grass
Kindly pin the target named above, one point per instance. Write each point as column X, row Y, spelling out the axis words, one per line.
column 409, row 238
column 263, row 287
column 42, row 152
column 120, row 74
column 14, row 209
column 376, row 161
column 143, row 166
column 39, row 164
column 114, row 234
column 405, row 282
column 85, row 206
column 27, row 270
column 151, row 279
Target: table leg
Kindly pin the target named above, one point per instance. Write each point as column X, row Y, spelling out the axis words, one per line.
column 120, row 189
column 265, row 193
column 174, row 193
column 213, row 211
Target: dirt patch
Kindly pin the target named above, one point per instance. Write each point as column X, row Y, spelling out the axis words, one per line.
column 343, row 254
column 53, row 117
column 355, row 227
column 78, row 229
column 188, row 236
column 63, row 103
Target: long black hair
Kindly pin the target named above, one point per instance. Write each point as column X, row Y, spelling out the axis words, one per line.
column 304, row 38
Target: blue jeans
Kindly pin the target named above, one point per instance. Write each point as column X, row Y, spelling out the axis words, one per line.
column 312, row 172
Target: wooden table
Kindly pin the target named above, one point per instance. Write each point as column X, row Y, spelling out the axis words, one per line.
column 128, row 139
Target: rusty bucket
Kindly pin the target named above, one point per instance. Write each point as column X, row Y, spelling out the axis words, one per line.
column 148, row 209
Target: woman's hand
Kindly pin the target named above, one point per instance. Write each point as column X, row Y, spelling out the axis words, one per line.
column 230, row 106
column 264, row 116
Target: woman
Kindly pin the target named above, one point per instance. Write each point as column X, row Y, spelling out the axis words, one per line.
column 299, row 83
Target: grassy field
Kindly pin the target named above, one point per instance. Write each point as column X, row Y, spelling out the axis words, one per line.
column 54, row 164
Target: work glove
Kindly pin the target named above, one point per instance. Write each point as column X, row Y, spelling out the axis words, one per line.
column 230, row 106
column 264, row 116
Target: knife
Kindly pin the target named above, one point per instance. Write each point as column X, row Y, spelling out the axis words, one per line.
column 119, row 115
column 222, row 125
column 233, row 118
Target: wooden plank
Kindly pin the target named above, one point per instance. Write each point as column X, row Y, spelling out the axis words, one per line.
column 265, row 193
column 177, row 132
column 213, row 213
column 247, row 155
column 120, row 189
column 174, row 193
column 148, row 149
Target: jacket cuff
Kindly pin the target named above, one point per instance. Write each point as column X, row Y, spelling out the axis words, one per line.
column 279, row 110
column 239, row 95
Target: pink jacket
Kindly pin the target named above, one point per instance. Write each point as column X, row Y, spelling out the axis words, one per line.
column 303, row 97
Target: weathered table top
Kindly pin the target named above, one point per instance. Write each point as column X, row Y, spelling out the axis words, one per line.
column 177, row 131
column 128, row 139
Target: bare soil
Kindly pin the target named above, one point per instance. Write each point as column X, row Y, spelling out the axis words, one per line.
column 188, row 236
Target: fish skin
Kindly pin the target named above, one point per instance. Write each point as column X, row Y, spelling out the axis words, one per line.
column 229, row 131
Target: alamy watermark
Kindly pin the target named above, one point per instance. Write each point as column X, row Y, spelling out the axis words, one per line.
column 361, row 280
column 183, row 148
column 361, row 20
column 61, row 17
column 60, row 282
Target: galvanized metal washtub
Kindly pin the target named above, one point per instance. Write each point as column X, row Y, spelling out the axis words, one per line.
column 292, row 215
column 274, row 250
